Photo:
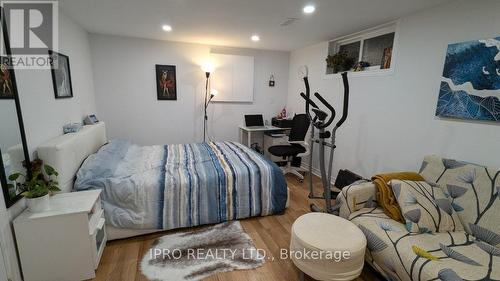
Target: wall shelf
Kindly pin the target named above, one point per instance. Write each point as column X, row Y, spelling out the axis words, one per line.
column 365, row 73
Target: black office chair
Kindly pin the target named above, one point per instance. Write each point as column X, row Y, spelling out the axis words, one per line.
column 297, row 146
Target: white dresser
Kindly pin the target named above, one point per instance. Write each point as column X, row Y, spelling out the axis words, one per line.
column 64, row 243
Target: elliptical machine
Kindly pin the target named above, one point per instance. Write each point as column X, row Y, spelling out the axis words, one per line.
column 321, row 121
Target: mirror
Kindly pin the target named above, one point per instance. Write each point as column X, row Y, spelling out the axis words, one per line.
column 13, row 147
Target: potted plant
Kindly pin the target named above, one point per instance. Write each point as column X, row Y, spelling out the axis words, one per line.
column 339, row 62
column 38, row 188
column 360, row 66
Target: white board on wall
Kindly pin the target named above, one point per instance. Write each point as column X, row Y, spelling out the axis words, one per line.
column 233, row 78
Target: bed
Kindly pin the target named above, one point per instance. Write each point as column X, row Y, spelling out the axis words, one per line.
column 153, row 188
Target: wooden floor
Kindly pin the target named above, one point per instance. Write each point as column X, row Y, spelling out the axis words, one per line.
column 121, row 258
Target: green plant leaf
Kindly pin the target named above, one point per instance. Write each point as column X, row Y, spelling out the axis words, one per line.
column 26, row 194
column 14, row 176
column 54, row 188
column 35, row 174
column 39, row 185
column 50, row 171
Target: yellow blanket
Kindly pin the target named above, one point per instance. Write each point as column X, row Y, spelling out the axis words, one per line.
column 386, row 198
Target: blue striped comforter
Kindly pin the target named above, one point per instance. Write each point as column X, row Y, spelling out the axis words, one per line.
column 174, row 186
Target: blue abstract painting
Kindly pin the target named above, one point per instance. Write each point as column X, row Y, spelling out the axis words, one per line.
column 470, row 85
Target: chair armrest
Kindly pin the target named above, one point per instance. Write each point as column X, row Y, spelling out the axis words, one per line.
column 355, row 197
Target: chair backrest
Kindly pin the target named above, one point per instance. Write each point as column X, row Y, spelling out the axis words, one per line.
column 299, row 127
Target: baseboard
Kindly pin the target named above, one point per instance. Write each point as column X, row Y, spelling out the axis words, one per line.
column 315, row 171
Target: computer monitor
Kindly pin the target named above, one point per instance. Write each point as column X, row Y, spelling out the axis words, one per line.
column 254, row 120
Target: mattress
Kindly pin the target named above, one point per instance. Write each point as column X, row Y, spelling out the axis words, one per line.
column 185, row 185
column 115, row 233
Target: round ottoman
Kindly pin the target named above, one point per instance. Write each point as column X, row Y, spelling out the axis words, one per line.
column 327, row 247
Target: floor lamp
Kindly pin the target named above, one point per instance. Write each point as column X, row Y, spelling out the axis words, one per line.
column 209, row 94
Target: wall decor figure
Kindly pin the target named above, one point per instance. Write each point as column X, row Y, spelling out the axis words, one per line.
column 61, row 75
column 386, row 58
column 166, row 82
column 470, row 85
column 7, row 85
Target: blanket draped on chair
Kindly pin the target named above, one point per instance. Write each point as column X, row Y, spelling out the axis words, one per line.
column 386, row 198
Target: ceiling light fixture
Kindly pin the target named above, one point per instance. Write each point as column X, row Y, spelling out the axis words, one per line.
column 255, row 38
column 167, row 28
column 309, row 9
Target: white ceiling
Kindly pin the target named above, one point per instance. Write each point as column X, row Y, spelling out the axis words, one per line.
column 232, row 22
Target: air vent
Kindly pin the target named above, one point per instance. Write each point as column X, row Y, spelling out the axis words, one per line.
column 288, row 22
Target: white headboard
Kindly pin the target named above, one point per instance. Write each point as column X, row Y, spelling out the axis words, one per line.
column 67, row 152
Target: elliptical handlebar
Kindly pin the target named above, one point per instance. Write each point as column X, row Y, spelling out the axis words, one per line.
column 330, row 108
column 306, row 97
column 308, row 100
column 345, row 110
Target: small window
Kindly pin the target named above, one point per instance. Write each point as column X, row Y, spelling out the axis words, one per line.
column 373, row 49
column 364, row 51
column 351, row 49
column 348, row 50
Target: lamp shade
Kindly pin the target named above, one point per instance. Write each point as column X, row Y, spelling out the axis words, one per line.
column 303, row 71
column 214, row 92
column 208, row 66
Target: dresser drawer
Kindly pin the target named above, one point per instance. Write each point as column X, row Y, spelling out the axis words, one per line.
column 98, row 241
column 96, row 209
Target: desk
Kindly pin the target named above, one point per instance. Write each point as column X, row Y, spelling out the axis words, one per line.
column 250, row 130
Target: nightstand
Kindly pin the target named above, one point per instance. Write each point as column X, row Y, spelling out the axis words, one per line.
column 64, row 243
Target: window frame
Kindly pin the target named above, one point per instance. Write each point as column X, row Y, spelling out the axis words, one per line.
column 390, row 27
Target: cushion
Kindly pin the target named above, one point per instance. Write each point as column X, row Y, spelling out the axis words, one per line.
column 425, row 207
column 385, row 196
column 405, row 256
column 326, row 233
column 286, row 150
column 473, row 190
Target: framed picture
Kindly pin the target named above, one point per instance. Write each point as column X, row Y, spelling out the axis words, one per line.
column 61, row 75
column 470, row 84
column 166, row 82
column 7, row 88
column 7, row 79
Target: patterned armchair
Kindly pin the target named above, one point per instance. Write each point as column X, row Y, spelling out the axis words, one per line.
column 473, row 254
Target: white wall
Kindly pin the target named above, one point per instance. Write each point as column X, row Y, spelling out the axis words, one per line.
column 391, row 123
column 44, row 116
column 124, row 77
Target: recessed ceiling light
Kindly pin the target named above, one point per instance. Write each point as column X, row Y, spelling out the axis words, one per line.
column 167, row 28
column 255, row 38
column 309, row 9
